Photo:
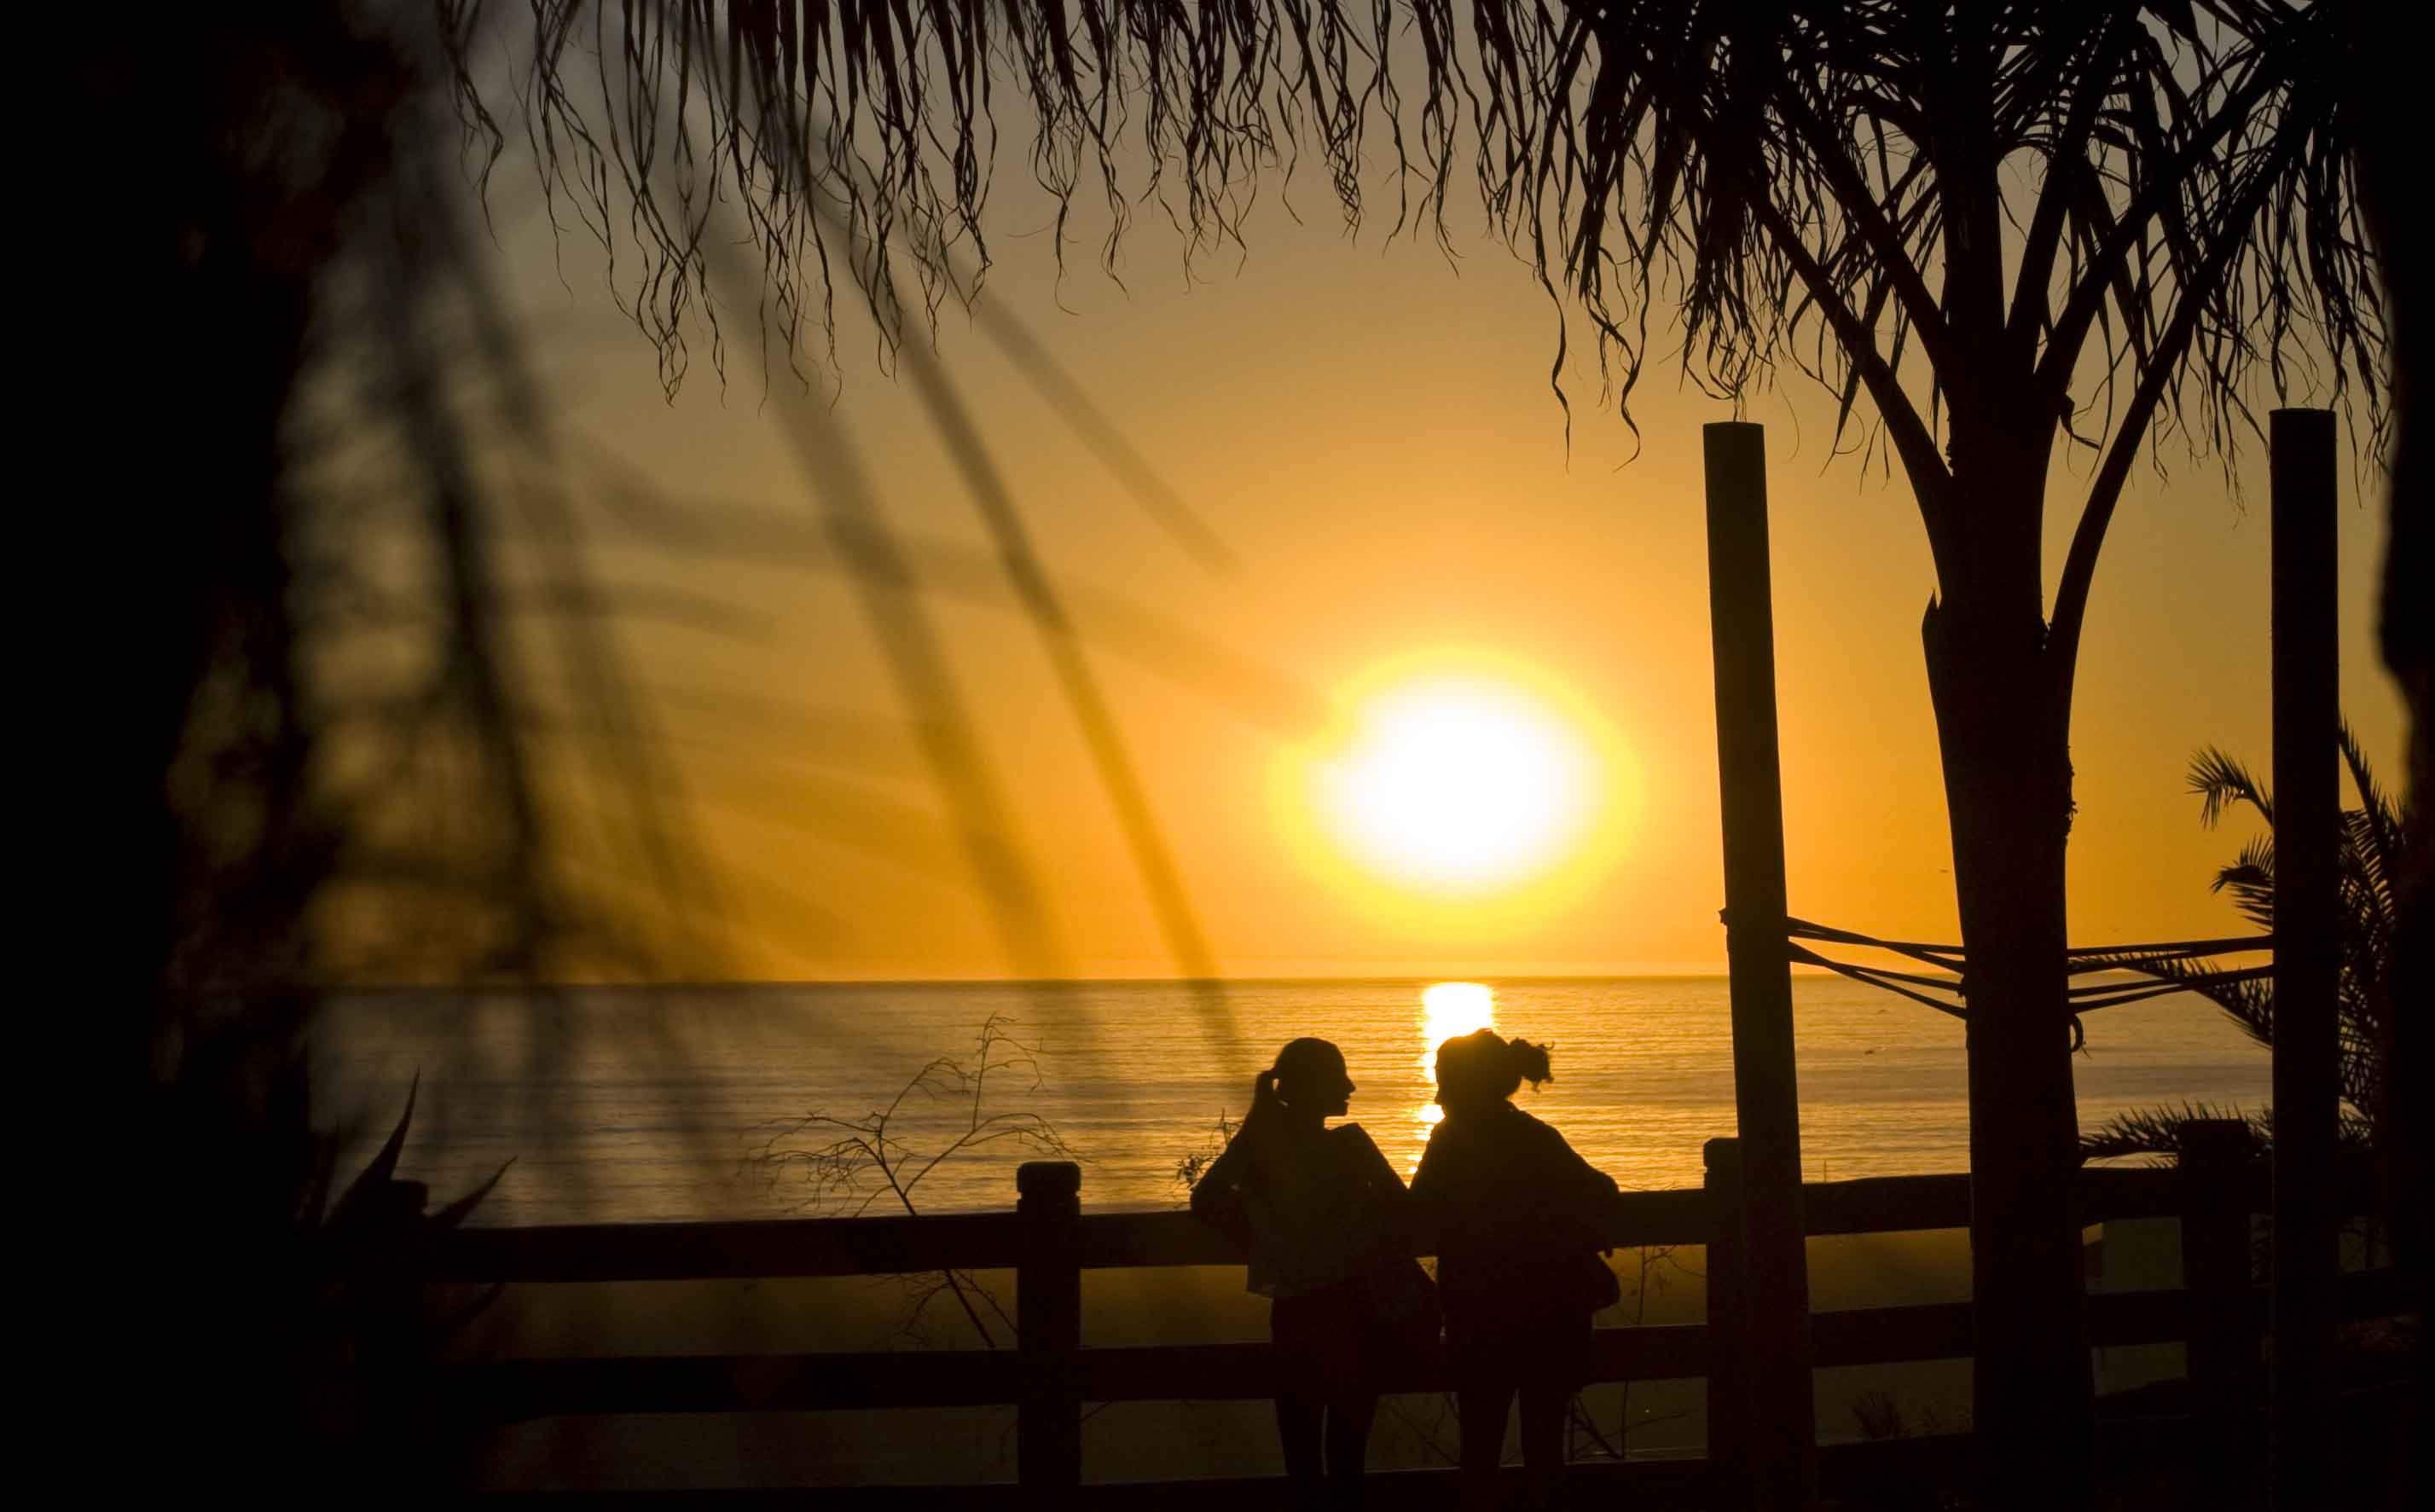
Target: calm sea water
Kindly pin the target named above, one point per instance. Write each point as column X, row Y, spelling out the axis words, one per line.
column 620, row 1104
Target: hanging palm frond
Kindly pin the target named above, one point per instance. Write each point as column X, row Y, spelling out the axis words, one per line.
column 1785, row 177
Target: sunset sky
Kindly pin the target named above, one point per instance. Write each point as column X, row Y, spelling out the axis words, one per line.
column 1372, row 434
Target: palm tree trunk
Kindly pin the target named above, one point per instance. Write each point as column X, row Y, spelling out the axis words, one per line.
column 2003, row 724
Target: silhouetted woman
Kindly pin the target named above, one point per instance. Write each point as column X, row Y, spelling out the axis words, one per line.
column 1516, row 1219
column 1322, row 1208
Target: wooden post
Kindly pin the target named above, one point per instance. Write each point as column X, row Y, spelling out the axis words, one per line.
column 1049, row 1328
column 2308, row 829
column 1728, row 1330
column 2216, row 1154
column 1782, row 1423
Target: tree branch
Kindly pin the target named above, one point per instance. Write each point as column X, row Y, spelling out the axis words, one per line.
column 2045, row 239
column 2079, row 312
column 1884, row 239
column 2230, row 239
column 1930, row 482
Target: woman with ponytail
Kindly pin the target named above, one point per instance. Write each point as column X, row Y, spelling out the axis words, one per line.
column 1325, row 1217
column 1518, row 1221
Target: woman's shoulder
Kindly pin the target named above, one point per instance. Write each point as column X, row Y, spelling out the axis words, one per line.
column 1548, row 1145
column 1352, row 1135
column 1357, row 1151
column 1527, row 1131
column 1530, row 1125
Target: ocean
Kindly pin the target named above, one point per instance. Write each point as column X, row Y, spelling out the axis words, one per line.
column 627, row 1104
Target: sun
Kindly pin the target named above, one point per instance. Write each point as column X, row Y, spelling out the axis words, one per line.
column 1457, row 784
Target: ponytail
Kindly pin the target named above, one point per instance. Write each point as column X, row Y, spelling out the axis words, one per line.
column 1263, row 1134
column 1264, row 1095
column 1302, row 1063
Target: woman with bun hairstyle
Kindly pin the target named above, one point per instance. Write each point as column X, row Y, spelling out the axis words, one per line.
column 1327, row 1217
column 1517, row 1220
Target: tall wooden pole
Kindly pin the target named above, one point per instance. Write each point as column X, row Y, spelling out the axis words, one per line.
column 2216, row 1161
column 2307, row 960
column 1729, row 1350
column 1048, row 1333
column 1782, row 1433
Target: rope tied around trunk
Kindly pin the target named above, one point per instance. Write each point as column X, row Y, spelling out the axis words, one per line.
column 2171, row 966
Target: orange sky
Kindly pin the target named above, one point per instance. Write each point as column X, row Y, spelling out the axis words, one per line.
column 1371, row 433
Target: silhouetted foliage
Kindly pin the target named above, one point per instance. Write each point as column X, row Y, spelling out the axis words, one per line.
column 1190, row 1168
column 2372, row 858
column 1784, row 176
column 841, row 1165
column 292, row 388
column 2013, row 227
column 370, row 1330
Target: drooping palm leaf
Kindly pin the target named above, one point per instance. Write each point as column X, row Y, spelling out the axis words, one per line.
column 2222, row 781
column 2251, row 882
column 1787, row 177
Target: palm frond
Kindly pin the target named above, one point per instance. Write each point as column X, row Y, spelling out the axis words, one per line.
column 2223, row 781
column 2369, row 859
column 2251, row 882
column 2249, row 1004
column 2158, row 1132
column 1763, row 171
column 2375, row 830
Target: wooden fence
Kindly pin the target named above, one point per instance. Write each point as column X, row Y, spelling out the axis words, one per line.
column 1047, row 1242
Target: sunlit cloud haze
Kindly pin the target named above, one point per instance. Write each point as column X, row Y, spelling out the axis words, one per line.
column 1370, row 432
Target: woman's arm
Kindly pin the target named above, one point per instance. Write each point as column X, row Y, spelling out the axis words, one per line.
column 1430, row 1208
column 1217, row 1196
column 1224, row 1176
column 1592, row 1190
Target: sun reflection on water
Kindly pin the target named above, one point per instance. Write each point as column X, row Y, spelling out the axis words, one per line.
column 1449, row 1010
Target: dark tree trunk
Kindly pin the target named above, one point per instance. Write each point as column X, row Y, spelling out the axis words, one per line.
column 2003, row 724
column 195, row 296
column 2386, row 94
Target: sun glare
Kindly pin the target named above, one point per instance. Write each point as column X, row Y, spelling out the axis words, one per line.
column 1457, row 785
column 1448, row 1010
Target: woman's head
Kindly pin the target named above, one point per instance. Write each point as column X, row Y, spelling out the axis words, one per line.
column 1480, row 1067
column 1308, row 1077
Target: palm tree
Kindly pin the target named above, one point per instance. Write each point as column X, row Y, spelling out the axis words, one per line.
column 2373, row 859
column 2008, row 228
column 301, row 764
column 318, row 747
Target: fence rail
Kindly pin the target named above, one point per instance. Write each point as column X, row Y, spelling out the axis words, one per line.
column 775, row 1248
column 1048, row 1242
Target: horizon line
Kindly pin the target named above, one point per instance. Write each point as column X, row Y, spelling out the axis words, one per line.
column 1675, row 972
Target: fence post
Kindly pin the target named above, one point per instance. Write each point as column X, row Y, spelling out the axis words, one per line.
column 2307, row 955
column 1729, row 1484
column 2215, row 1160
column 1048, row 1330
column 1782, row 1420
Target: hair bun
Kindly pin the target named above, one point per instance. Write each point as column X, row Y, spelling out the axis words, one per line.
column 1530, row 1062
